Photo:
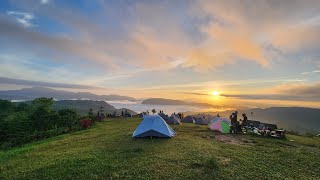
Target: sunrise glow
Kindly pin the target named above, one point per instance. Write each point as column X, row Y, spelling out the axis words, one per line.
column 215, row 93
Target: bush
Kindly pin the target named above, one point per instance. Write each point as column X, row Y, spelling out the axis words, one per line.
column 38, row 135
column 25, row 122
column 86, row 123
column 67, row 118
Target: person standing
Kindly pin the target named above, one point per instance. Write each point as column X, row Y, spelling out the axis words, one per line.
column 234, row 121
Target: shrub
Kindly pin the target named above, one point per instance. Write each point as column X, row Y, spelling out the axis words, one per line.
column 86, row 123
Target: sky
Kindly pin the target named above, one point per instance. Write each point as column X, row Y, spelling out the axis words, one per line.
column 263, row 52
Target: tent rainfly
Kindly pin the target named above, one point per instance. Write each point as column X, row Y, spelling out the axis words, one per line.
column 173, row 120
column 188, row 119
column 220, row 124
column 201, row 121
column 164, row 116
column 153, row 126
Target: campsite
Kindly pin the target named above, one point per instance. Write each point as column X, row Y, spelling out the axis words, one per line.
column 107, row 151
column 159, row 89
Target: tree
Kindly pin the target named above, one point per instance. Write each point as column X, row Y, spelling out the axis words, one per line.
column 6, row 107
column 22, row 107
column 19, row 128
column 153, row 111
column 42, row 115
column 67, row 117
column 90, row 113
column 43, row 102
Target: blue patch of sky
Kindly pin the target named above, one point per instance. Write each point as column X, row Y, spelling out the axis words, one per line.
column 5, row 6
column 50, row 26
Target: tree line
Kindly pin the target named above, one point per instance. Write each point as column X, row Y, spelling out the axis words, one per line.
column 29, row 121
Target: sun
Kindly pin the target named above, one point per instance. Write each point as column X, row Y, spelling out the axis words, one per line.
column 215, row 93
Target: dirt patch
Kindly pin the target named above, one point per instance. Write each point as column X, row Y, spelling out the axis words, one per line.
column 233, row 139
column 228, row 139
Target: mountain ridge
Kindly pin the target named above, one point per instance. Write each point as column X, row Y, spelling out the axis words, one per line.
column 35, row 92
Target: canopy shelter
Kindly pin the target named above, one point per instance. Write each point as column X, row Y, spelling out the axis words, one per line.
column 153, row 126
column 220, row 124
column 188, row 119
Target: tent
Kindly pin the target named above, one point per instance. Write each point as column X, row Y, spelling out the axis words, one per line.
column 173, row 119
column 188, row 119
column 164, row 116
column 200, row 121
column 220, row 124
column 153, row 126
column 177, row 116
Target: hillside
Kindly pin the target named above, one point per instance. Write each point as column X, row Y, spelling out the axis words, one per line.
column 35, row 92
column 297, row 119
column 83, row 106
column 107, row 151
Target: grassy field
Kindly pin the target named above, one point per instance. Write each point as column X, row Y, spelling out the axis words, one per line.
column 107, row 151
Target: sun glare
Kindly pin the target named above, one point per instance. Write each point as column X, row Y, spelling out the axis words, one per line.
column 215, row 93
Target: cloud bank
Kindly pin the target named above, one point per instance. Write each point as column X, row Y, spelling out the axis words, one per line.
column 165, row 45
column 4, row 80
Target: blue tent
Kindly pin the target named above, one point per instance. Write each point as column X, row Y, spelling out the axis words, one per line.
column 153, row 126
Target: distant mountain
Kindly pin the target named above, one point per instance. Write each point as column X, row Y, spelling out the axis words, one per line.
column 297, row 119
column 83, row 106
column 162, row 101
column 292, row 118
column 35, row 92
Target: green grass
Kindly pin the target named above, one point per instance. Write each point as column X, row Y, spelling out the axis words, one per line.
column 107, row 151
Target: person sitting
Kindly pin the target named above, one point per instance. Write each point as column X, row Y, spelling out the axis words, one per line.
column 245, row 120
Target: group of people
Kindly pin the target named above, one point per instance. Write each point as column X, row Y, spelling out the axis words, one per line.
column 235, row 125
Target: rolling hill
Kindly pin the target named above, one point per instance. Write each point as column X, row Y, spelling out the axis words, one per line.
column 83, row 106
column 107, row 151
column 35, row 92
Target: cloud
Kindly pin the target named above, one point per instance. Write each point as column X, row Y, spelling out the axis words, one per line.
column 23, row 18
column 60, row 46
column 44, row 1
column 244, row 30
column 4, row 80
column 200, row 35
column 295, row 92
column 310, row 72
column 200, row 94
